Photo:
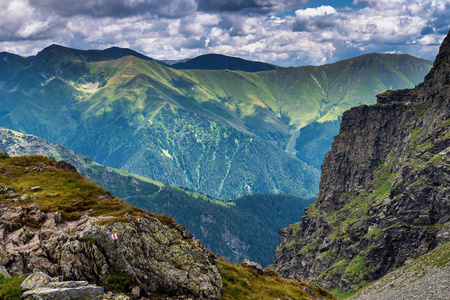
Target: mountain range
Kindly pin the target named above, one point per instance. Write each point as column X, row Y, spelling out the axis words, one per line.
column 225, row 133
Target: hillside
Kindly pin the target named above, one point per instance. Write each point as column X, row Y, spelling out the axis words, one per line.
column 216, row 223
column 56, row 222
column 223, row 133
column 384, row 190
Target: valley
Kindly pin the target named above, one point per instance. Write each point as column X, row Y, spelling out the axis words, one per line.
column 227, row 153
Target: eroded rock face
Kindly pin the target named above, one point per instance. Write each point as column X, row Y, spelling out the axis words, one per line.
column 163, row 259
column 385, row 189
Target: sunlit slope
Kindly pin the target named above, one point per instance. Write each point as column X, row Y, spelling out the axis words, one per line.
column 220, row 132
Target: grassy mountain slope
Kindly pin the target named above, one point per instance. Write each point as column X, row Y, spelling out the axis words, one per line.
column 220, row 132
column 218, row 224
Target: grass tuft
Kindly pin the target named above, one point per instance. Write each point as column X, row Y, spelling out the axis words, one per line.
column 9, row 287
column 244, row 283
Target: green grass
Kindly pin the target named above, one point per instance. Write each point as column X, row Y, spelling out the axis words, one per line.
column 243, row 283
column 341, row 294
column 76, row 196
column 9, row 287
column 118, row 282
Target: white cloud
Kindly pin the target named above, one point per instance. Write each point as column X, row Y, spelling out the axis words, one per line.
column 323, row 10
column 177, row 29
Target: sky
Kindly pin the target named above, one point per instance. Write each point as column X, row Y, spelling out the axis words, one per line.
column 282, row 32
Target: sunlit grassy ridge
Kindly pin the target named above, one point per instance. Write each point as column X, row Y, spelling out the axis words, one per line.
column 55, row 190
column 244, row 283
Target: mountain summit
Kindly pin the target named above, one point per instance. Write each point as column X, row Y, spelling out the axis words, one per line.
column 384, row 191
column 222, row 62
column 54, row 51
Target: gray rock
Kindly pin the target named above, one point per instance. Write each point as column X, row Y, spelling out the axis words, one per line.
column 34, row 281
column 89, row 292
column 4, row 272
column 66, row 284
column 136, row 292
column 384, row 189
column 159, row 257
column 252, row 265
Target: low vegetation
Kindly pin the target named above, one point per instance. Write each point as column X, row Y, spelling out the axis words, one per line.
column 36, row 179
column 9, row 287
column 244, row 283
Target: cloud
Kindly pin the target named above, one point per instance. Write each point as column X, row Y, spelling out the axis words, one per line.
column 280, row 32
column 427, row 30
column 116, row 8
column 245, row 6
column 377, row 26
column 315, row 18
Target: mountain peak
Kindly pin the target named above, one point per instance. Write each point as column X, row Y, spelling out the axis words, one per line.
column 214, row 61
column 61, row 53
column 439, row 75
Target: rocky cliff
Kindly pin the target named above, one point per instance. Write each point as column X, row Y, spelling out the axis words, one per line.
column 54, row 221
column 385, row 189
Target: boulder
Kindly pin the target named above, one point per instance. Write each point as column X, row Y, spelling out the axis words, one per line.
column 252, row 265
column 87, row 292
column 35, row 280
column 4, row 272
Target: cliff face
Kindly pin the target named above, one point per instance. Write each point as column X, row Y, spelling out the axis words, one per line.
column 385, row 189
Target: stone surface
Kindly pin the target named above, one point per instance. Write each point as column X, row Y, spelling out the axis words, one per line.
column 385, row 189
column 88, row 292
column 35, row 280
column 252, row 265
column 163, row 259
column 136, row 292
column 4, row 272
column 427, row 277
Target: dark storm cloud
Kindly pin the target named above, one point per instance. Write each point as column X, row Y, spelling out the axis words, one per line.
column 426, row 30
column 440, row 21
column 116, row 8
column 256, row 6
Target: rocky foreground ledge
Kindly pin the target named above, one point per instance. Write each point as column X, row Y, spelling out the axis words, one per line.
column 159, row 258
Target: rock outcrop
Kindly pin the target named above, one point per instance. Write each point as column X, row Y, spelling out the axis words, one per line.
column 385, row 189
column 427, row 277
column 159, row 258
column 40, row 286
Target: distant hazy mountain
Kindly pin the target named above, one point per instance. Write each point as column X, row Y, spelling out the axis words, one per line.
column 222, row 62
column 221, row 132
